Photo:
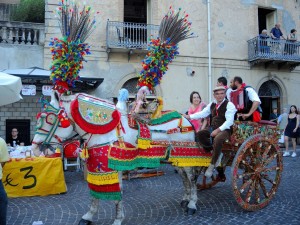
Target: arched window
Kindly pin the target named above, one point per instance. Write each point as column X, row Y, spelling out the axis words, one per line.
column 269, row 89
column 131, row 86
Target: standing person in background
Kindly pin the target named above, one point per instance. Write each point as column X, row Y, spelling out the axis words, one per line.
column 291, row 131
column 283, row 119
column 276, row 32
column 274, row 115
column 196, row 106
column 282, row 122
column 4, row 157
column 14, row 139
column 290, row 47
column 276, row 35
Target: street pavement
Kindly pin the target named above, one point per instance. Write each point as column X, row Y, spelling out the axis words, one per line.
column 156, row 201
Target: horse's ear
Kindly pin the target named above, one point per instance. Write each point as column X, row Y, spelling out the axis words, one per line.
column 54, row 99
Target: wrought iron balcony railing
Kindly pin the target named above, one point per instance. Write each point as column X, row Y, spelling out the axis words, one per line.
column 129, row 35
column 22, row 33
column 267, row 50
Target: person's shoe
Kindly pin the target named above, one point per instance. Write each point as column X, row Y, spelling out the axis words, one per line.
column 218, row 163
column 294, row 154
column 209, row 171
column 286, row 153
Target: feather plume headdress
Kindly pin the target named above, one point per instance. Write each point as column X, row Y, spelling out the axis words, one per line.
column 174, row 28
column 68, row 52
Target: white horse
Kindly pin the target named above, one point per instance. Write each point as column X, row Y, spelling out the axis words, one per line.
column 187, row 173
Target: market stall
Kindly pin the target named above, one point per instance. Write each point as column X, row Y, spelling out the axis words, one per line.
column 29, row 176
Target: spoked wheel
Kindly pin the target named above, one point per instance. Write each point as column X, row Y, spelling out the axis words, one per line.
column 206, row 183
column 256, row 172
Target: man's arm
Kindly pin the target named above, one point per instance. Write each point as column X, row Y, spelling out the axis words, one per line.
column 198, row 115
column 4, row 156
column 279, row 119
column 253, row 96
column 272, row 35
column 229, row 115
column 252, row 110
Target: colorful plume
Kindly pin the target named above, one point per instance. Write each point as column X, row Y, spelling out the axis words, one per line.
column 174, row 28
column 68, row 52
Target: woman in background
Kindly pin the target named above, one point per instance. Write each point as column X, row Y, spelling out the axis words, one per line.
column 196, row 106
column 291, row 131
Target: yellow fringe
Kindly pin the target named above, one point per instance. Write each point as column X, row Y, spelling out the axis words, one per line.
column 157, row 113
column 185, row 162
column 103, row 179
column 57, row 150
column 144, row 144
column 84, row 153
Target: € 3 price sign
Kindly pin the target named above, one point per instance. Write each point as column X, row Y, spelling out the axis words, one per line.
column 33, row 177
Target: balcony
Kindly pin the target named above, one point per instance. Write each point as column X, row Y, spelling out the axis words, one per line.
column 129, row 37
column 269, row 51
column 22, row 33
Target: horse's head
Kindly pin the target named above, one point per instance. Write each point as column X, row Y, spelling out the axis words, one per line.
column 53, row 126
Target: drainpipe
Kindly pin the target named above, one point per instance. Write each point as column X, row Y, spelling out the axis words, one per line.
column 209, row 52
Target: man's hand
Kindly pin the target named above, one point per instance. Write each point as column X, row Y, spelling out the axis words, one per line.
column 245, row 116
column 215, row 132
column 186, row 116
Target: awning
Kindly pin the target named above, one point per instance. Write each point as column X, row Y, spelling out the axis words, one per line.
column 39, row 77
column 10, row 88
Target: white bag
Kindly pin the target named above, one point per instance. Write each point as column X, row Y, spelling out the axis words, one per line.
column 281, row 139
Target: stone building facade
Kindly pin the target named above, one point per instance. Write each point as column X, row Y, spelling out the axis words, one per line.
column 232, row 24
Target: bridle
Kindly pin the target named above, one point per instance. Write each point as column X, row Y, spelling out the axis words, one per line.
column 52, row 116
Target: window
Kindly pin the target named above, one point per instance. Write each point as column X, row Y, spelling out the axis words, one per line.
column 135, row 11
column 266, row 19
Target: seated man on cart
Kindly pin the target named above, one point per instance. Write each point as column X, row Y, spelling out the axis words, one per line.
column 221, row 112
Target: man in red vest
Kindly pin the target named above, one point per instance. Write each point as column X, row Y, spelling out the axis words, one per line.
column 245, row 100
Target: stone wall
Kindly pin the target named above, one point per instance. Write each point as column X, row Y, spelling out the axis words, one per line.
column 27, row 108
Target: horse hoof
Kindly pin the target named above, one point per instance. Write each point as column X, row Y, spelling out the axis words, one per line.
column 191, row 212
column 184, row 204
column 84, row 222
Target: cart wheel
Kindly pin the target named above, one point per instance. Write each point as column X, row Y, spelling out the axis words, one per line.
column 209, row 182
column 256, row 172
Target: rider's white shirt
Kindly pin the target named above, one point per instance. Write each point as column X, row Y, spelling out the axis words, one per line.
column 229, row 114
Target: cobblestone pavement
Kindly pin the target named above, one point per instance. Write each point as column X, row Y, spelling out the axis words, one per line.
column 156, row 201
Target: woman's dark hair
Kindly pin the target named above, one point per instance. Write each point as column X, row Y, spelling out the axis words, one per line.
column 191, row 96
column 296, row 111
column 293, row 30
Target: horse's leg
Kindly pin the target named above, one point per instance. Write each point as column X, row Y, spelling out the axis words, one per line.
column 119, row 213
column 186, row 185
column 190, row 172
column 119, row 204
column 88, row 217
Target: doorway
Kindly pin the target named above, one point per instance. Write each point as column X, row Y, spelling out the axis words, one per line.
column 135, row 11
column 269, row 94
column 266, row 19
column 23, row 127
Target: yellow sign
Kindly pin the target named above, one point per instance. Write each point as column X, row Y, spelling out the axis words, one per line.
column 33, row 177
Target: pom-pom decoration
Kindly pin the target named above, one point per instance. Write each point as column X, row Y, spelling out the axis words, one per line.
column 174, row 28
column 68, row 52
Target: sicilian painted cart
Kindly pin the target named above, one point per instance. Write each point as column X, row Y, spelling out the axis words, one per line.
column 256, row 164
